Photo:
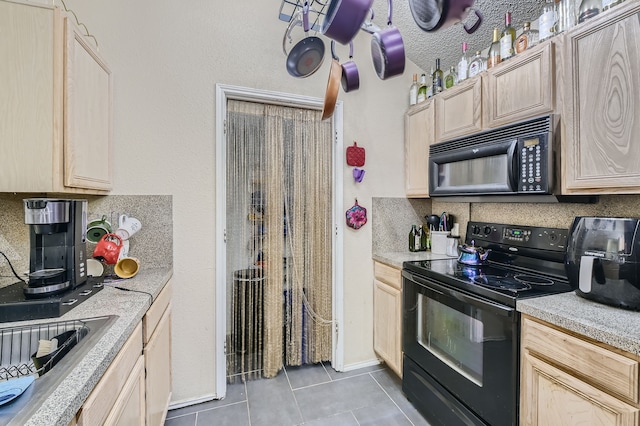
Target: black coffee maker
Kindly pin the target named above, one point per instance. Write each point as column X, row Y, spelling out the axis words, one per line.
column 57, row 258
column 603, row 260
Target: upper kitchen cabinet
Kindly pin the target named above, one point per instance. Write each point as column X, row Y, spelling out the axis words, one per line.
column 459, row 110
column 55, row 125
column 418, row 135
column 520, row 88
column 601, row 108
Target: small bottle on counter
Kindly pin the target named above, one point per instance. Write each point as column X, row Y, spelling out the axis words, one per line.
column 451, row 79
column 425, row 241
column 463, row 65
column 422, row 88
column 527, row 39
column 413, row 91
column 494, row 50
column 414, row 239
column 477, row 65
column 547, row 21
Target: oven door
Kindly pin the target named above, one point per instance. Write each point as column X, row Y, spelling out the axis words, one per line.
column 474, row 170
column 465, row 345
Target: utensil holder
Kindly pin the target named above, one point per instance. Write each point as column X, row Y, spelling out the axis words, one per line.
column 439, row 242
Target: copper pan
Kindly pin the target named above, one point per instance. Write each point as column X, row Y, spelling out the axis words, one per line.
column 331, row 95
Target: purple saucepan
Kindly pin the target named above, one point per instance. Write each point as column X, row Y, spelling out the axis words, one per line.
column 432, row 15
column 343, row 19
column 387, row 50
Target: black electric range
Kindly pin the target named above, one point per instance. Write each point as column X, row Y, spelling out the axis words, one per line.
column 523, row 262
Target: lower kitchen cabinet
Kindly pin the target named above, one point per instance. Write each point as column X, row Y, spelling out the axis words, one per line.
column 570, row 380
column 157, row 356
column 119, row 395
column 387, row 313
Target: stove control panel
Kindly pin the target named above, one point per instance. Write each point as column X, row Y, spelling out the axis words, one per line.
column 554, row 239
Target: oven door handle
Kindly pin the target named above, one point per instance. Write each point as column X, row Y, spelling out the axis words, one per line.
column 463, row 297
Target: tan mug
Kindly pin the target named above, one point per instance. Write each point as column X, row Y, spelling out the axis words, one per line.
column 127, row 267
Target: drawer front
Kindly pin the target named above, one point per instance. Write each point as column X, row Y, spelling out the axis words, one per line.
column 388, row 274
column 154, row 314
column 605, row 369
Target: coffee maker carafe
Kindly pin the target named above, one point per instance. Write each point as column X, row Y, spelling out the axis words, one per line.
column 603, row 260
column 57, row 232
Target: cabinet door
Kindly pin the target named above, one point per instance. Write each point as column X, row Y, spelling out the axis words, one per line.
column 87, row 114
column 459, row 110
column 520, row 88
column 387, row 325
column 419, row 128
column 129, row 409
column 550, row 396
column 601, row 111
column 157, row 355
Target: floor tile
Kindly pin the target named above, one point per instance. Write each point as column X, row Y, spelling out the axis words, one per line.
column 307, row 375
column 230, row 415
column 340, row 396
column 342, row 419
column 337, row 375
column 271, row 402
column 392, row 385
column 385, row 413
column 235, row 393
column 186, row 420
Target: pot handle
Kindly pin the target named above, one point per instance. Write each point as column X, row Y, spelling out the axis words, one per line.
column 305, row 17
column 474, row 27
column 333, row 51
column 287, row 34
column 389, row 12
column 368, row 26
column 350, row 50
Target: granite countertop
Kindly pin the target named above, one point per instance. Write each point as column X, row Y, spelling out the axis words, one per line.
column 395, row 259
column 614, row 326
column 61, row 405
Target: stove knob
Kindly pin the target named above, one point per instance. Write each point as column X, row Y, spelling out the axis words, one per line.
column 487, row 230
column 475, row 230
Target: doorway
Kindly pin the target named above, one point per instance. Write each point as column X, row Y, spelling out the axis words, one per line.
column 271, row 306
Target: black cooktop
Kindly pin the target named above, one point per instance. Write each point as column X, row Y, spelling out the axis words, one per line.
column 523, row 262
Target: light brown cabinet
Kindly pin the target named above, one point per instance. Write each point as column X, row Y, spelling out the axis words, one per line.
column 601, row 108
column 387, row 312
column 459, row 110
column 418, row 136
column 56, row 101
column 520, row 88
column 157, row 357
column 570, row 380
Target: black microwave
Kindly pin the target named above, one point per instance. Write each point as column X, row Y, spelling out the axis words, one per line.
column 511, row 160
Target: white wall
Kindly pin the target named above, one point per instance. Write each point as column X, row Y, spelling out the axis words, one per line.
column 166, row 57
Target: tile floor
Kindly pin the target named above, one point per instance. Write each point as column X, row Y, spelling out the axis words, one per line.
column 314, row 395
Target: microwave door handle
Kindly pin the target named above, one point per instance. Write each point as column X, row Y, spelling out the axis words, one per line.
column 586, row 270
column 512, row 166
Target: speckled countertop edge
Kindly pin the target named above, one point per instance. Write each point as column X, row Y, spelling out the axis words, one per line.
column 395, row 259
column 65, row 401
column 613, row 326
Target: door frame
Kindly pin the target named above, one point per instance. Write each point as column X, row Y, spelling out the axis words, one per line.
column 224, row 93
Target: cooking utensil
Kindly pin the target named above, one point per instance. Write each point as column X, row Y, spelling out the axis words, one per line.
column 387, row 49
column 472, row 255
column 333, row 84
column 350, row 75
column 307, row 55
column 432, row 15
column 343, row 19
column 434, row 221
column 108, row 249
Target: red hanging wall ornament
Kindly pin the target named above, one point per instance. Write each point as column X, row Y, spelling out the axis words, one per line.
column 355, row 155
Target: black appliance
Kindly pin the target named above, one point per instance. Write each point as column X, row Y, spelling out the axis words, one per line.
column 603, row 260
column 57, row 262
column 461, row 328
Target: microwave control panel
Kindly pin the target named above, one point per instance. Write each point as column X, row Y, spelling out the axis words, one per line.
column 533, row 160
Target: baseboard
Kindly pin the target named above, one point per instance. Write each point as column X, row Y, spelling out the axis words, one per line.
column 363, row 364
column 187, row 403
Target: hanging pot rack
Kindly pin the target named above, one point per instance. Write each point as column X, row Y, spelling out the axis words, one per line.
column 290, row 8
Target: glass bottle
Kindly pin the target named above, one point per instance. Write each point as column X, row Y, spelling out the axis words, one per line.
column 507, row 38
column 424, row 239
column 463, row 65
column 437, row 78
column 430, row 86
column 413, row 91
column 494, row 50
column 412, row 238
column 451, row 79
column 477, row 65
column 607, row 4
column 547, row 20
column 422, row 89
column 588, row 9
column 527, row 39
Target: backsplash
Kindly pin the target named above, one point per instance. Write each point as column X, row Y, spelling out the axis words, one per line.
column 391, row 220
column 152, row 245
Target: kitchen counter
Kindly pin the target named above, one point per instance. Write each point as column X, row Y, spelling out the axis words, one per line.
column 395, row 259
column 614, row 326
column 62, row 404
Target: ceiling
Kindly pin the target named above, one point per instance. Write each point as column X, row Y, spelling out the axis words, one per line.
column 423, row 48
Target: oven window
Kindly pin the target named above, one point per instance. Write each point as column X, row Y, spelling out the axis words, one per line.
column 453, row 336
column 482, row 171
